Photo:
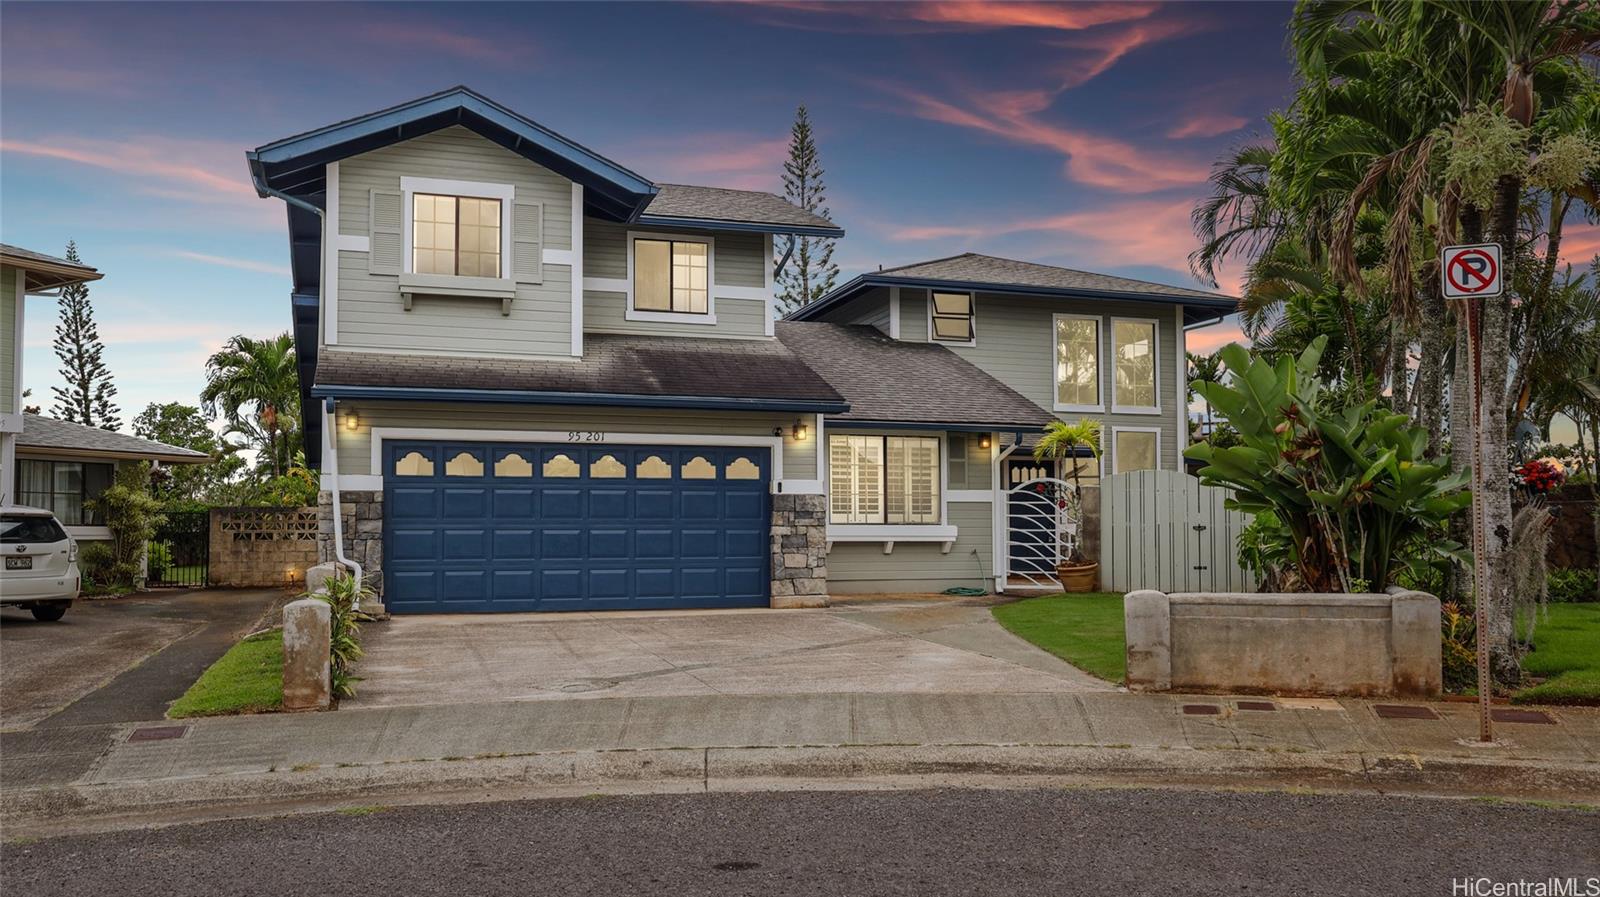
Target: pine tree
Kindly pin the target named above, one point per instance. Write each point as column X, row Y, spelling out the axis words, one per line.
column 87, row 397
column 810, row 272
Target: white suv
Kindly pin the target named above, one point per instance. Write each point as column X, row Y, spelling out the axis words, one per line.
column 39, row 569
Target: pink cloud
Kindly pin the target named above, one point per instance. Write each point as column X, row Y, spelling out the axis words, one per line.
column 1144, row 232
column 1098, row 161
column 1580, row 243
column 738, row 161
column 1205, row 340
column 959, row 15
column 1105, row 47
column 1207, row 124
column 229, row 262
column 435, row 36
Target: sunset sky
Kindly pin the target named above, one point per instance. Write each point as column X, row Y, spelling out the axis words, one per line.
column 1078, row 135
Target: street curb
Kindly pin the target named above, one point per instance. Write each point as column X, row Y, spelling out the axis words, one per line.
column 72, row 808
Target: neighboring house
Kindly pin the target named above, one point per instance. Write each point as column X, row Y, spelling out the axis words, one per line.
column 536, row 380
column 45, row 462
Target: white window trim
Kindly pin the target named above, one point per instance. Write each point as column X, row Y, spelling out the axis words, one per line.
column 1118, row 431
column 889, row 533
column 1100, row 374
column 629, row 313
column 1155, row 356
column 972, row 300
column 506, row 193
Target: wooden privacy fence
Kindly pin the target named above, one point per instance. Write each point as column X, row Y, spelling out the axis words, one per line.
column 1161, row 529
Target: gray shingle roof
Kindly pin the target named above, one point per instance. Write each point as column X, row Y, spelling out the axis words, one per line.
column 893, row 381
column 48, row 433
column 722, row 204
column 972, row 266
column 612, row 365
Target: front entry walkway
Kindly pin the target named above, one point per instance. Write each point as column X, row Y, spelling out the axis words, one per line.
column 927, row 646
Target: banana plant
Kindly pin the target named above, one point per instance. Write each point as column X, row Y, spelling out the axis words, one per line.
column 1352, row 485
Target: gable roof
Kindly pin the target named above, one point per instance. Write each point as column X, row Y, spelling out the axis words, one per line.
column 682, row 205
column 634, row 371
column 889, row 381
column 988, row 273
column 48, row 434
column 46, row 272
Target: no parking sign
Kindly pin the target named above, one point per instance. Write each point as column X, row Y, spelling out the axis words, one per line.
column 1471, row 272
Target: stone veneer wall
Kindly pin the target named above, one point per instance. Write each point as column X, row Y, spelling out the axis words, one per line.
column 256, row 547
column 799, row 550
column 363, row 532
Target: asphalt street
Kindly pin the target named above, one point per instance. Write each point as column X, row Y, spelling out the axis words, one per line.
column 921, row 843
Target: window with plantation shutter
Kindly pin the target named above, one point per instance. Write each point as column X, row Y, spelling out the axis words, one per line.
column 883, row 479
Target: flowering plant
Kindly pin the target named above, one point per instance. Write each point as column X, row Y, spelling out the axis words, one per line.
column 1541, row 474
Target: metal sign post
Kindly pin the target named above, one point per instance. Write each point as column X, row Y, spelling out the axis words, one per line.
column 1468, row 273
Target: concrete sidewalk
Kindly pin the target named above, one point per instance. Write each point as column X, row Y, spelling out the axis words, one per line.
column 387, row 753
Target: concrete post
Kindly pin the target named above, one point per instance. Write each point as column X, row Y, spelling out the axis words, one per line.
column 1415, row 644
column 307, row 634
column 317, row 577
column 1147, row 616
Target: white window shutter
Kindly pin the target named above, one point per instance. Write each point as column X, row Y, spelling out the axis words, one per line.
column 527, row 242
column 387, row 210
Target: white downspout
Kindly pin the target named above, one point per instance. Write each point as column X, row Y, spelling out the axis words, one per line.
column 1001, row 516
column 330, row 464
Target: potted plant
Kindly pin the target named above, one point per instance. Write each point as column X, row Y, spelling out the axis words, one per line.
column 1063, row 440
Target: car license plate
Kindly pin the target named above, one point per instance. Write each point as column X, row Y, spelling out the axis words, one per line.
column 19, row 563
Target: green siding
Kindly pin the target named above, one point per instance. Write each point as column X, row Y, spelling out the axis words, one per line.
column 738, row 260
column 862, row 567
column 10, row 340
column 914, row 315
column 355, row 447
column 370, row 312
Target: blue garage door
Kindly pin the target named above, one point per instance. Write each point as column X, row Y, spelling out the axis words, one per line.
column 485, row 527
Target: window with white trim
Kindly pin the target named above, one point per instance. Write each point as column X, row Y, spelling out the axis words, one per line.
column 1077, row 363
column 1133, row 354
column 1135, row 450
column 883, row 479
column 457, row 235
column 951, row 317
column 671, row 276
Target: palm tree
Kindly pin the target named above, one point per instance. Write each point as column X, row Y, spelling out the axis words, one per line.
column 253, row 384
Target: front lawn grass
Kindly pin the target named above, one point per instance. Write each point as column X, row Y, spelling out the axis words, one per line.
column 247, row 679
column 1566, row 650
column 1085, row 629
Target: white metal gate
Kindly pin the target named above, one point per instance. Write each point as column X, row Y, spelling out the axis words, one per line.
column 1044, row 521
column 1161, row 529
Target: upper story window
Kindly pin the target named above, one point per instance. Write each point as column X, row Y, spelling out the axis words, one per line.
column 671, row 276
column 950, row 317
column 457, row 235
column 1133, row 351
column 883, row 479
column 1077, row 363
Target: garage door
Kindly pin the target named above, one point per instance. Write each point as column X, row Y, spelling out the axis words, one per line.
column 484, row 527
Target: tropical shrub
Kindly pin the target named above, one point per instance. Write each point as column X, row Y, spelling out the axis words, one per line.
column 344, row 646
column 132, row 515
column 1062, row 440
column 94, row 563
column 1459, row 647
column 1571, row 585
column 1347, row 479
column 158, row 560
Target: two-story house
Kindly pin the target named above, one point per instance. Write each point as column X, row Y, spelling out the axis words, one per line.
column 1074, row 343
column 537, row 380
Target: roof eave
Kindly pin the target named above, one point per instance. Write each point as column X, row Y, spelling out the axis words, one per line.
column 542, row 397
column 54, row 275
column 56, row 451
column 959, row 427
column 864, row 282
column 759, row 227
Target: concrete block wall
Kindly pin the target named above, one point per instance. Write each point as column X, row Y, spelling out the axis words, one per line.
column 261, row 547
column 363, row 532
column 1373, row 645
column 799, row 550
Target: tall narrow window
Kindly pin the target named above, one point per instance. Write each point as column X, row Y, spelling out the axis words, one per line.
column 457, row 235
column 855, row 479
column 952, row 317
column 911, row 486
column 1134, row 351
column 1077, row 363
column 671, row 276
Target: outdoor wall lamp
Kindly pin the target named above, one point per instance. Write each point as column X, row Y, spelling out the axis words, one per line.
column 799, row 430
column 351, row 420
column 983, row 441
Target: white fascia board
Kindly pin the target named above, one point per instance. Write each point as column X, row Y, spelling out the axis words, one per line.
column 329, row 284
column 577, row 278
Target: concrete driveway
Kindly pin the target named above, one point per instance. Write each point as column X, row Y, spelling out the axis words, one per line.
column 926, row 646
